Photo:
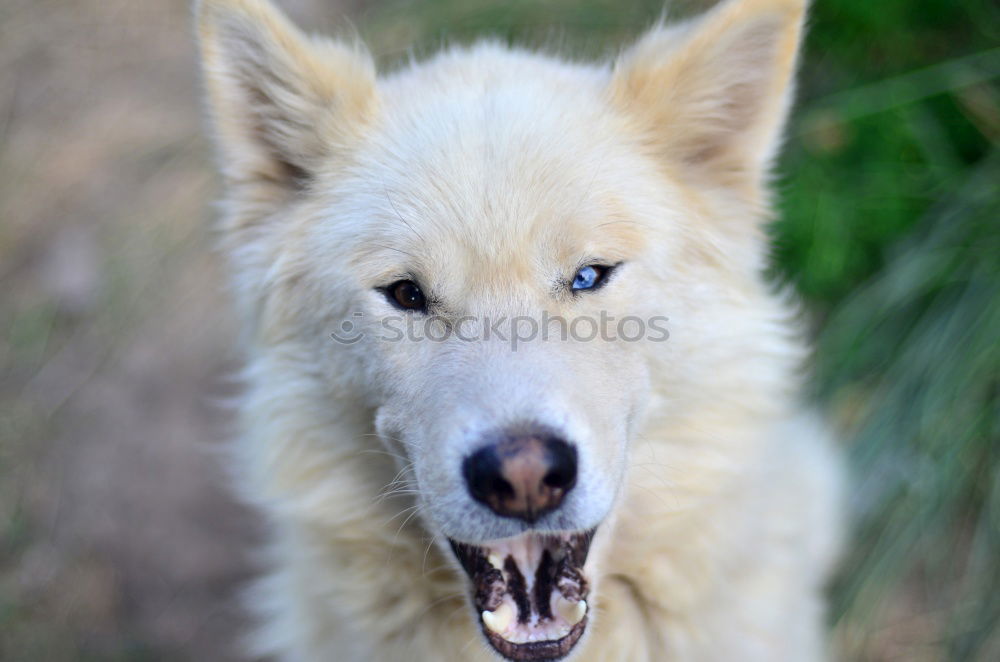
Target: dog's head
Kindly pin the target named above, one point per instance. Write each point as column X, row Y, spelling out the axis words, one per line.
column 495, row 240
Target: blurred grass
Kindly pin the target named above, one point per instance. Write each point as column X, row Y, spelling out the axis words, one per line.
column 890, row 231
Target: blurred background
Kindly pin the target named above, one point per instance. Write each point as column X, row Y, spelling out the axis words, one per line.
column 117, row 539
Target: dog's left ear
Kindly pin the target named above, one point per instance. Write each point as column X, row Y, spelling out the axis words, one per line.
column 283, row 103
column 712, row 94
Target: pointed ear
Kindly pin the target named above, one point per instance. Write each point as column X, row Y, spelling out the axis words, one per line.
column 282, row 103
column 712, row 95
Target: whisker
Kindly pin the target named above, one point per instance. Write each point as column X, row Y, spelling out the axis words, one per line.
column 395, row 538
column 396, row 211
column 443, row 598
column 622, row 222
column 471, row 641
column 380, row 451
column 400, row 513
column 393, row 248
column 423, row 565
column 381, row 436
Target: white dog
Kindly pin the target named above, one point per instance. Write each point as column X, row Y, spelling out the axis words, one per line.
column 516, row 384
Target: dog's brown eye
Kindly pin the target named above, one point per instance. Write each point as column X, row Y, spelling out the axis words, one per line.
column 406, row 294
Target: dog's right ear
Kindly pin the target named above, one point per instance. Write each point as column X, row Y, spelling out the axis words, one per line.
column 283, row 103
column 713, row 94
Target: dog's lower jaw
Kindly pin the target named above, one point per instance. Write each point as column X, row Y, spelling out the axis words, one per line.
column 538, row 650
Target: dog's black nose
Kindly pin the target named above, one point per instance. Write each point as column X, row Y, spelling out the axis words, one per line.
column 523, row 475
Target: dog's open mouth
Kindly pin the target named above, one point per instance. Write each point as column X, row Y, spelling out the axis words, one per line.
column 530, row 592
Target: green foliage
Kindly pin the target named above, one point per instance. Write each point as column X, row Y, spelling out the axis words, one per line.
column 891, row 230
column 912, row 356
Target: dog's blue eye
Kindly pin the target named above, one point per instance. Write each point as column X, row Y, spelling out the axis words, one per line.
column 590, row 277
column 585, row 278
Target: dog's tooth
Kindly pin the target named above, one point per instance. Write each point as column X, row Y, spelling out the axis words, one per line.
column 579, row 611
column 498, row 619
column 573, row 612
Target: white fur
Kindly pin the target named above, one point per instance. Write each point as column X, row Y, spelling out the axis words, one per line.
column 492, row 174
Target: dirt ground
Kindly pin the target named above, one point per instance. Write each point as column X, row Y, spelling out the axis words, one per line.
column 117, row 537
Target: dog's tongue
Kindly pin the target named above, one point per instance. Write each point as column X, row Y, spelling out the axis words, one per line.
column 529, row 590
